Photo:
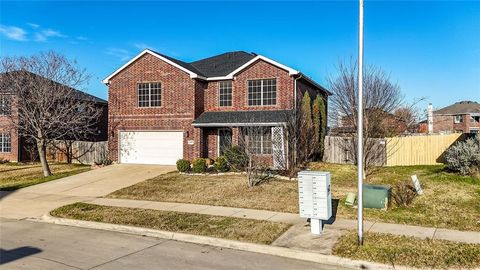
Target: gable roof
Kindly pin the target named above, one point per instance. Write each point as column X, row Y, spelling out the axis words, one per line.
column 462, row 107
column 219, row 67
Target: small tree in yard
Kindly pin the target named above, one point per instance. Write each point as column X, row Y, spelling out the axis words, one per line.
column 47, row 108
column 256, row 167
column 319, row 115
column 381, row 99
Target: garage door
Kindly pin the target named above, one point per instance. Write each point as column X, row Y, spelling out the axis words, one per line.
column 157, row 147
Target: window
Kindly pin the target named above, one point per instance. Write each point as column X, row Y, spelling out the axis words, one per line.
column 5, row 143
column 457, row 119
column 149, row 94
column 475, row 119
column 259, row 139
column 262, row 92
column 5, row 104
column 225, row 94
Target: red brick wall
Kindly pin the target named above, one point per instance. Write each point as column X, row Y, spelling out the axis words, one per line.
column 258, row 70
column 177, row 107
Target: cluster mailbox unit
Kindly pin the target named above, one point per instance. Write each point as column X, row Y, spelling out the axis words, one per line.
column 315, row 198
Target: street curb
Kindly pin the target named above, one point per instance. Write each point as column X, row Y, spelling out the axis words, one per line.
column 223, row 243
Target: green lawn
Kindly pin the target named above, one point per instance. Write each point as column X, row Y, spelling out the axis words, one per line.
column 14, row 175
column 247, row 230
column 450, row 201
column 409, row 251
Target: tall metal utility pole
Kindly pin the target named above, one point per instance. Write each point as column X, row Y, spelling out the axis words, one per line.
column 360, row 125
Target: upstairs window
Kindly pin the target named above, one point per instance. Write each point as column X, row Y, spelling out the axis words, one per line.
column 150, row 94
column 5, row 143
column 457, row 119
column 262, row 92
column 225, row 94
column 5, row 105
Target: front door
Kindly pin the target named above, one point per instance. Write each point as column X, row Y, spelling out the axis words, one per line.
column 224, row 140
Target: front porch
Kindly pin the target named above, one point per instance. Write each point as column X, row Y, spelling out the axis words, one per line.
column 261, row 132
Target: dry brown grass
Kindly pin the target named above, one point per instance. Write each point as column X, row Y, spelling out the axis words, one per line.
column 248, row 230
column 231, row 190
column 409, row 251
column 14, row 176
column 450, row 201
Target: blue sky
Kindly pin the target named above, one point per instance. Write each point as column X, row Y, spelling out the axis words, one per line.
column 432, row 49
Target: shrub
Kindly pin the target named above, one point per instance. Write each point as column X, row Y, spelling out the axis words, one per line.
column 464, row 157
column 221, row 164
column 199, row 165
column 183, row 165
column 4, row 161
column 236, row 157
column 403, row 193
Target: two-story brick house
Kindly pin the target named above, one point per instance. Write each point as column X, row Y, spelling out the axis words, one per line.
column 460, row 117
column 162, row 109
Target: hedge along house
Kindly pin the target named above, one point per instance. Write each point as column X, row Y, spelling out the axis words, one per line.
column 162, row 109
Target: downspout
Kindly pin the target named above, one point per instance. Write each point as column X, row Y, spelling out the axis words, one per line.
column 295, row 90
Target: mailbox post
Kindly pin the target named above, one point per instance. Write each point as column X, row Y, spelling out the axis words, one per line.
column 315, row 198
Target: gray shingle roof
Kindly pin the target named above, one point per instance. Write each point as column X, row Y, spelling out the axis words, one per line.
column 241, row 117
column 215, row 66
column 462, row 107
column 222, row 64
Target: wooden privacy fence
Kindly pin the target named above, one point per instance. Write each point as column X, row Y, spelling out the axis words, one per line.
column 397, row 151
column 83, row 152
column 419, row 150
column 342, row 150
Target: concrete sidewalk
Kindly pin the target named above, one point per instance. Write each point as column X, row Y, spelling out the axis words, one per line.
column 336, row 224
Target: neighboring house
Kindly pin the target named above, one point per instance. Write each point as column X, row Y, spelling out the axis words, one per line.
column 389, row 124
column 162, row 109
column 16, row 148
column 463, row 117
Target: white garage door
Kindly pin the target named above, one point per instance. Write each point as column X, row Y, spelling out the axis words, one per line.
column 151, row 147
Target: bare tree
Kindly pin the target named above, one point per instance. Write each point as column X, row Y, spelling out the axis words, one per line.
column 47, row 107
column 381, row 98
column 250, row 140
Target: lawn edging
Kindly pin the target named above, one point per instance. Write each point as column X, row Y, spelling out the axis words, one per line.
column 218, row 242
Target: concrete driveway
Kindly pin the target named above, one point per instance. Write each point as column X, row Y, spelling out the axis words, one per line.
column 34, row 201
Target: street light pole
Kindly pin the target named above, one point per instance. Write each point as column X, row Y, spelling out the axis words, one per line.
column 360, row 125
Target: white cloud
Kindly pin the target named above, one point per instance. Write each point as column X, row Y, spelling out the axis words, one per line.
column 13, row 33
column 81, row 38
column 34, row 25
column 45, row 34
column 142, row 46
column 122, row 54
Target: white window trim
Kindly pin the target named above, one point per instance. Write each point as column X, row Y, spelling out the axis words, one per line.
column 261, row 92
column 149, row 95
column 3, row 136
column 219, row 94
column 455, row 121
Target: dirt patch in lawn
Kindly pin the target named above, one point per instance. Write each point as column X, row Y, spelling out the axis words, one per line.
column 247, row 230
column 15, row 176
column 231, row 190
column 409, row 251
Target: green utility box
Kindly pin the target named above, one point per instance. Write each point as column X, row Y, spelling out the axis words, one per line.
column 375, row 196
